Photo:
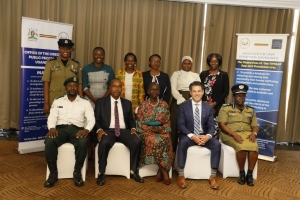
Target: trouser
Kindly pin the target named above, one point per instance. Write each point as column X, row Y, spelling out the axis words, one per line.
column 185, row 142
column 66, row 133
column 131, row 141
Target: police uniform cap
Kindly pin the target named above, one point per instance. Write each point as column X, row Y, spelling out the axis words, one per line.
column 65, row 43
column 71, row 79
column 239, row 89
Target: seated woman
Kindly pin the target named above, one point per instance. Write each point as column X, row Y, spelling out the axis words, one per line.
column 239, row 128
column 153, row 126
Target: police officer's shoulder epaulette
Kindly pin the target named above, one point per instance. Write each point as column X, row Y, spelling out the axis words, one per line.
column 250, row 107
column 52, row 59
column 227, row 104
column 75, row 61
column 59, row 97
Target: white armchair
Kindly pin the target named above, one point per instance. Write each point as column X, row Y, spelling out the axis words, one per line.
column 118, row 161
column 66, row 162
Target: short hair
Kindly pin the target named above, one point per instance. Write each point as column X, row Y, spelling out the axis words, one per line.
column 153, row 55
column 114, row 79
column 153, row 83
column 196, row 83
column 218, row 56
column 130, row 54
column 98, row 48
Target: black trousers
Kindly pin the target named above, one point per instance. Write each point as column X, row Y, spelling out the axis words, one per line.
column 131, row 141
column 66, row 133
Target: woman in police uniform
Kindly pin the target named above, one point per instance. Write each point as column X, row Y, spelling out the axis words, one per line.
column 57, row 70
column 239, row 128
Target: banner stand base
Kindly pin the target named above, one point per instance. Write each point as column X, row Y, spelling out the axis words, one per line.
column 267, row 158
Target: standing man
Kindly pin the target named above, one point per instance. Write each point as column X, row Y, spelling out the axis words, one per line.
column 114, row 123
column 57, row 70
column 66, row 121
column 196, row 126
column 239, row 128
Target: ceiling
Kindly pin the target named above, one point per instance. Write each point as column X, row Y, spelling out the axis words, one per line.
column 292, row 4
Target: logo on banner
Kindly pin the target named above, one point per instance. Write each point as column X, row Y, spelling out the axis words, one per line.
column 244, row 43
column 63, row 35
column 32, row 34
column 276, row 43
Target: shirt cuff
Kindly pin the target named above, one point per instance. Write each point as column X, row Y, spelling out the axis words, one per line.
column 190, row 135
column 209, row 135
column 99, row 130
column 50, row 128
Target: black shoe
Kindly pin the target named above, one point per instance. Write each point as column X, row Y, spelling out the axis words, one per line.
column 51, row 179
column 241, row 179
column 100, row 179
column 249, row 179
column 137, row 177
column 77, row 179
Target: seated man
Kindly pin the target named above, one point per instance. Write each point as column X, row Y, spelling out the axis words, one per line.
column 114, row 123
column 66, row 124
column 196, row 126
column 239, row 128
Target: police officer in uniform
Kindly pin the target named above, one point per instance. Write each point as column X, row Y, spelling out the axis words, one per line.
column 66, row 123
column 239, row 128
column 57, row 70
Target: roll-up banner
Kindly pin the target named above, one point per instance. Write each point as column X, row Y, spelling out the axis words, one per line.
column 259, row 64
column 38, row 44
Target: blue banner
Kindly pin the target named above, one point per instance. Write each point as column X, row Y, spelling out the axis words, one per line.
column 259, row 64
column 38, row 44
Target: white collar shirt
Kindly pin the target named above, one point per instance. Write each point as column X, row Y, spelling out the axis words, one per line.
column 78, row 112
column 112, row 113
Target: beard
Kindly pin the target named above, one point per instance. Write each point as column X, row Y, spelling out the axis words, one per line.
column 72, row 94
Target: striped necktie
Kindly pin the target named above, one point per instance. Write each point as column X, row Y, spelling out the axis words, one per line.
column 117, row 124
column 197, row 120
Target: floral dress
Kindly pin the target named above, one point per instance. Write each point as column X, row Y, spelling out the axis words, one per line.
column 208, row 85
column 156, row 147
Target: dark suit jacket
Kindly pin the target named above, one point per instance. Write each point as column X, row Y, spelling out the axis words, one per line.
column 164, row 85
column 220, row 88
column 103, row 110
column 186, row 118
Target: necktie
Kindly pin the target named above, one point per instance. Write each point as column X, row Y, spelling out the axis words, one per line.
column 117, row 124
column 197, row 120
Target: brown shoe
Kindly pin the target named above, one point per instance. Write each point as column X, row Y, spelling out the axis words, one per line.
column 181, row 182
column 213, row 183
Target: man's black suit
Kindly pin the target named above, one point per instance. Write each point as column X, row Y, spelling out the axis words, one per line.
column 103, row 119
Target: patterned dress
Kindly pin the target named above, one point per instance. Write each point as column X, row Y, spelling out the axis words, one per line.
column 208, row 85
column 156, row 148
column 138, row 93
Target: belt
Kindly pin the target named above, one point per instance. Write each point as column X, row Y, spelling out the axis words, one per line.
column 242, row 131
column 64, row 125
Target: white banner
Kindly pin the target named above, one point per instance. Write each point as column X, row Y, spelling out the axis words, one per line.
column 38, row 44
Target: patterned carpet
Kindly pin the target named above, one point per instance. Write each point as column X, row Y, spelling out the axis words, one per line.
column 23, row 176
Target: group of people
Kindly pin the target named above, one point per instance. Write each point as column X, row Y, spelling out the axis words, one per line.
column 132, row 107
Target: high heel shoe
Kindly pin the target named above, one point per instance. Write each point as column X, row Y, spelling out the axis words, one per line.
column 158, row 177
column 167, row 181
